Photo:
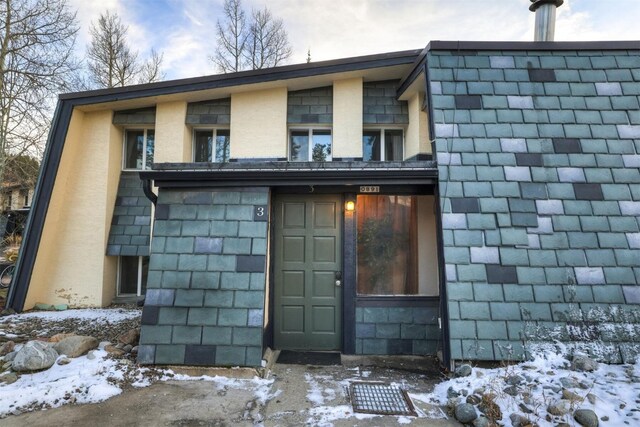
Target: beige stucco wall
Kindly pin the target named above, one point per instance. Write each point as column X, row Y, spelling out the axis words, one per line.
column 173, row 137
column 71, row 266
column 417, row 137
column 259, row 123
column 347, row 118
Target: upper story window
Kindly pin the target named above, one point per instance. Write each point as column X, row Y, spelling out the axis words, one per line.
column 310, row 145
column 382, row 145
column 138, row 150
column 211, row 145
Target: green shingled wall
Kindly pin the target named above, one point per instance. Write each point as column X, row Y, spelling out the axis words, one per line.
column 206, row 286
column 538, row 157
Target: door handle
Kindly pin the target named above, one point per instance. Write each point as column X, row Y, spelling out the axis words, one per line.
column 338, row 278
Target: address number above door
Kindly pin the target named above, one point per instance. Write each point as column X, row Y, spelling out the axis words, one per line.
column 369, row 189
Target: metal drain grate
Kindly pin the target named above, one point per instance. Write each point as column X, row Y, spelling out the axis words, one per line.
column 380, row 398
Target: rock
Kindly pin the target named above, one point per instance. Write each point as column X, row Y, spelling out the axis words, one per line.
column 91, row 355
column 524, row 408
column 60, row 307
column 584, row 385
column 463, row 371
column 113, row 350
column 514, row 380
column 10, row 356
column 76, row 345
column 7, row 348
column 481, row 422
column 605, row 418
column 63, row 361
column 42, row 306
column 465, row 413
column 586, row 417
column 569, row 382
column 511, row 390
column 559, row 408
column 451, row 393
column 34, row 356
column 134, row 350
column 490, row 408
column 9, row 378
column 59, row 337
column 474, row 399
column 7, row 311
column 6, row 366
column 591, row 398
column 519, row 420
column 127, row 348
column 569, row 395
column 583, row 363
column 130, row 337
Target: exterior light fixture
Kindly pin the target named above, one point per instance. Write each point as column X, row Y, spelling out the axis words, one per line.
column 350, row 206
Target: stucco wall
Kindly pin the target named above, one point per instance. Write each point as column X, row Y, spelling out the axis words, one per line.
column 347, row 118
column 259, row 124
column 172, row 136
column 417, row 135
column 71, row 263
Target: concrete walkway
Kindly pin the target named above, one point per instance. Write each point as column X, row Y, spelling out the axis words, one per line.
column 303, row 395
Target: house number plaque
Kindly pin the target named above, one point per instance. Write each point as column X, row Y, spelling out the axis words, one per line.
column 260, row 213
column 369, row 189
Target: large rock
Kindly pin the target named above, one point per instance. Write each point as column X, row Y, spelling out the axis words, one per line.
column 59, row 337
column 559, row 407
column 583, row 363
column 130, row 337
column 586, row 417
column 34, row 356
column 463, row 371
column 465, row 413
column 76, row 345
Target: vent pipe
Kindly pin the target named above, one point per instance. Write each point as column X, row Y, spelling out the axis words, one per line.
column 545, row 19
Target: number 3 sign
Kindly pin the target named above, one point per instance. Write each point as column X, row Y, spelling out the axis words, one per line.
column 260, row 213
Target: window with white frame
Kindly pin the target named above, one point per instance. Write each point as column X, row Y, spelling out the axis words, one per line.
column 132, row 277
column 138, row 148
column 211, row 145
column 310, row 145
column 382, row 145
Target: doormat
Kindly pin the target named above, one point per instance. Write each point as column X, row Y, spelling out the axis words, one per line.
column 308, row 358
column 380, row 398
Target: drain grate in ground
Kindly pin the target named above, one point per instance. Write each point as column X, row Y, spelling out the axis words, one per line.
column 380, row 398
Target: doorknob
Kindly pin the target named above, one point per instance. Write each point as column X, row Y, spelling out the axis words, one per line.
column 338, row 278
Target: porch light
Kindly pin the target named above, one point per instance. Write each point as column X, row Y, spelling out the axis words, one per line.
column 350, row 206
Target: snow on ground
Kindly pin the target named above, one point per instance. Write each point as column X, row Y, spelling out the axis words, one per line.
column 83, row 380
column 615, row 390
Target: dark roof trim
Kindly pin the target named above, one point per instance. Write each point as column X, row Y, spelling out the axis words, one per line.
column 552, row 46
column 40, row 205
column 244, row 77
column 288, row 177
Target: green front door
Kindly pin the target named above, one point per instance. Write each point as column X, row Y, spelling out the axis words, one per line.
column 308, row 263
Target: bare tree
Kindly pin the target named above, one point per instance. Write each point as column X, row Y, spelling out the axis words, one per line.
column 111, row 62
column 232, row 37
column 37, row 38
column 261, row 43
column 268, row 43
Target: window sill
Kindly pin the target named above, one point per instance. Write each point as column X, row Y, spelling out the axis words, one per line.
column 397, row 300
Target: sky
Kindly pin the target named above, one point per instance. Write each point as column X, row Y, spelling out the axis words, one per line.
column 184, row 30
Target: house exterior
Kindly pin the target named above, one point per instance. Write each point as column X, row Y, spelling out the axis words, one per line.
column 472, row 199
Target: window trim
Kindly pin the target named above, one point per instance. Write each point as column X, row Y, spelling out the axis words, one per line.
column 309, row 129
column 215, row 130
column 382, row 130
column 139, row 278
column 144, row 147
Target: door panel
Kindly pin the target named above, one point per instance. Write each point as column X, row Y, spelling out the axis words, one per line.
column 307, row 255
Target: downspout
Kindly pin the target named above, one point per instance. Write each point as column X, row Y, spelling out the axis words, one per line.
column 146, row 188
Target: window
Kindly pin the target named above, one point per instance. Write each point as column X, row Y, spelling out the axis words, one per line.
column 133, row 275
column 382, row 144
column 310, row 145
column 211, row 145
column 139, row 144
column 396, row 245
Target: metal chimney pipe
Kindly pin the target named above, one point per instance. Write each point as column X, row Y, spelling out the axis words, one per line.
column 545, row 19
